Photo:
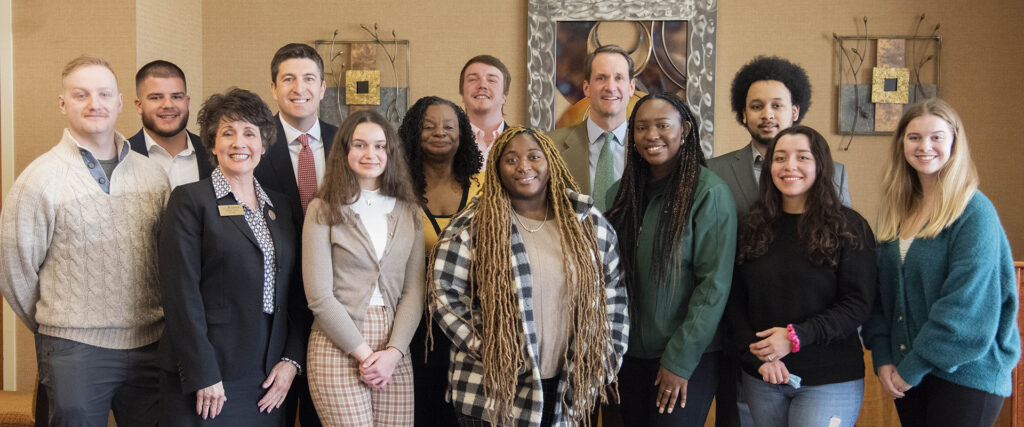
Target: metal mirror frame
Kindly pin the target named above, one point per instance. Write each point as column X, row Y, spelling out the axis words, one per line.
column 544, row 15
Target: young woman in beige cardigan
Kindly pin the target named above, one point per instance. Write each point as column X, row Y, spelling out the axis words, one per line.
column 362, row 248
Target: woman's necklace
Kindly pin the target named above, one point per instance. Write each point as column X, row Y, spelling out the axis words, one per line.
column 520, row 220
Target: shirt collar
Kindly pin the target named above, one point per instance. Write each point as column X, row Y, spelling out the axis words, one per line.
column 152, row 145
column 755, row 155
column 479, row 133
column 292, row 135
column 221, row 188
column 594, row 132
column 118, row 140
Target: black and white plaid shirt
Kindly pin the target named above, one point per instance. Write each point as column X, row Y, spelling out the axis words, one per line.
column 452, row 313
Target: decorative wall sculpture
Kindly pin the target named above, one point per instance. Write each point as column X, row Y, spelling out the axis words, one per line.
column 365, row 75
column 906, row 70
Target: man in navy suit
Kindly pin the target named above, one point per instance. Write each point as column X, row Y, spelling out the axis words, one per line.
column 297, row 84
column 298, row 156
column 162, row 102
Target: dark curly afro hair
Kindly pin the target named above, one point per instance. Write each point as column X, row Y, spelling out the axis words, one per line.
column 468, row 160
column 771, row 68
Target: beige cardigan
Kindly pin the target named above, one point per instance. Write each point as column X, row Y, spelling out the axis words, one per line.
column 340, row 267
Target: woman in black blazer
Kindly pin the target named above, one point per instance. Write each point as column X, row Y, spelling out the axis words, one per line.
column 229, row 281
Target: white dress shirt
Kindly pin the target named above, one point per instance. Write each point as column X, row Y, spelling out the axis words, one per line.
column 594, row 133
column 481, row 143
column 315, row 144
column 180, row 169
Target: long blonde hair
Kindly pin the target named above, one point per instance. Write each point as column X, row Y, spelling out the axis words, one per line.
column 901, row 187
column 493, row 284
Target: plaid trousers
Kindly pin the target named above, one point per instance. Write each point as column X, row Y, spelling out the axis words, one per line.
column 341, row 398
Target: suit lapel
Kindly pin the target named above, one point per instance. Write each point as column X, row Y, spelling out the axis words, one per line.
column 238, row 220
column 577, row 155
column 202, row 157
column 138, row 144
column 281, row 163
column 743, row 169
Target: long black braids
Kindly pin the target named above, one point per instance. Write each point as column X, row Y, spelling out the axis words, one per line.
column 627, row 212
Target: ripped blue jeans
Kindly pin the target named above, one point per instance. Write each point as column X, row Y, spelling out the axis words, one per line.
column 831, row 405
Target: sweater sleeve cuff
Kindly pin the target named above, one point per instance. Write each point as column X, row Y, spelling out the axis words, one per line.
column 880, row 353
column 913, row 369
column 681, row 363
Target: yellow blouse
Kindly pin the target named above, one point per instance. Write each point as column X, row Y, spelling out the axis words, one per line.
column 433, row 225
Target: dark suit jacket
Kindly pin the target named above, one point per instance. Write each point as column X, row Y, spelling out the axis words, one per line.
column 211, row 283
column 735, row 169
column 275, row 170
column 574, row 145
column 138, row 143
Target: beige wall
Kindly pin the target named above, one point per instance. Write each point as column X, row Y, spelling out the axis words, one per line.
column 229, row 43
column 172, row 31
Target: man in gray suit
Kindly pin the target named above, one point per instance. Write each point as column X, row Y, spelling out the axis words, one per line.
column 594, row 150
column 768, row 94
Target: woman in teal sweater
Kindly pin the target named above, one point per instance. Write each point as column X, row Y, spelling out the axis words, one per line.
column 943, row 334
column 676, row 223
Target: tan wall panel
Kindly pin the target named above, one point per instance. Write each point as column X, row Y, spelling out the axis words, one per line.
column 46, row 36
column 240, row 38
column 172, row 31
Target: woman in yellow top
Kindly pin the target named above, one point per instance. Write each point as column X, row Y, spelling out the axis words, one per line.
column 444, row 162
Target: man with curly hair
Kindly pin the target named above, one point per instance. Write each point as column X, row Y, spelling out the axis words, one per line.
column 769, row 94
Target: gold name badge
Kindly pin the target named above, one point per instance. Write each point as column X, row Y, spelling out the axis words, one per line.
column 231, row 210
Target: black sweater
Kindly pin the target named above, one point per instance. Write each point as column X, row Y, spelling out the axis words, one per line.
column 825, row 305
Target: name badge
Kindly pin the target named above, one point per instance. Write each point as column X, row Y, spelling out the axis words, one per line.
column 231, row 210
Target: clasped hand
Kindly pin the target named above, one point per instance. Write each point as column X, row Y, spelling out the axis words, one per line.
column 774, row 346
column 376, row 367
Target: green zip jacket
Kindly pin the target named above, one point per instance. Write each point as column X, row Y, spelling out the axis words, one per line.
column 678, row 325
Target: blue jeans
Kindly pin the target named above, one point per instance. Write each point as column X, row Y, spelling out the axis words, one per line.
column 780, row 405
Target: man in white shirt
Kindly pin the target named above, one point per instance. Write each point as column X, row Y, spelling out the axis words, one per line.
column 162, row 101
column 483, row 84
column 594, row 150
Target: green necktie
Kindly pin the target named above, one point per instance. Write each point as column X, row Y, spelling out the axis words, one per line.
column 604, row 176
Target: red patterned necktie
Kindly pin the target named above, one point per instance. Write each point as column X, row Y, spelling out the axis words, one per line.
column 307, row 172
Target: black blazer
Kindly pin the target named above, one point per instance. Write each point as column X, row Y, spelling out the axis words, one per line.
column 211, row 284
column 275, row 170
column 138, row 144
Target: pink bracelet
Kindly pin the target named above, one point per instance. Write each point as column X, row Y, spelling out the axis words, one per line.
column 793, row 338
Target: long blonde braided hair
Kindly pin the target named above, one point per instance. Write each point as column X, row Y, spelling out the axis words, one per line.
column 492, row 277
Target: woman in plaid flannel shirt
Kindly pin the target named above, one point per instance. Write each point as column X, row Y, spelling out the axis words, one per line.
column 525, row 283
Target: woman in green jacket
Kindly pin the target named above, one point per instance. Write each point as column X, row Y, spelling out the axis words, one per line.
column 676, row 223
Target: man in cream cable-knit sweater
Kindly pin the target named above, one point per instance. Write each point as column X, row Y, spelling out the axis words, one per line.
column 78, row 259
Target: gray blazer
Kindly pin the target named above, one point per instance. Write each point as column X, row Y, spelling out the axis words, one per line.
column 735, row 169
column 574, row 146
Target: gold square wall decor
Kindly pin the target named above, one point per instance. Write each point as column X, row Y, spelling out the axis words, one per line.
column 362, row 87
column 890, row 85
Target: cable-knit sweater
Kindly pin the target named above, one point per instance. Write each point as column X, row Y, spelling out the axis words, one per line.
column 79, row 263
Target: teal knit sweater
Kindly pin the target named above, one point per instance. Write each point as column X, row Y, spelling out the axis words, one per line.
column 950, row 309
